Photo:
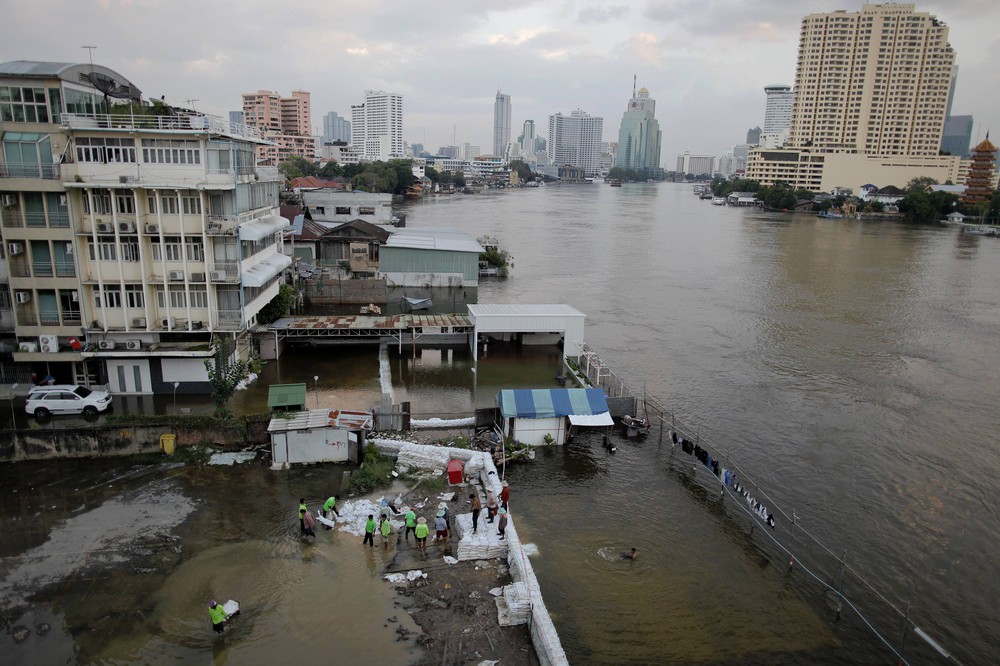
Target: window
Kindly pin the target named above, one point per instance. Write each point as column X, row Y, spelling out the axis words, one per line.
column 179, row 298
column 111, row 297
column 168, row 151
column 101, row 201
column 125, row 202
column 343, row 210
column 191, row 204
column 194, row 250
column 134, row 296
column 366, row 210
column 23, row 105
column 170, row 250
column 107, row 249
column 96, row 149
column 167, row 204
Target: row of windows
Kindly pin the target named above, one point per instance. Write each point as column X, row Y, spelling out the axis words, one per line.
column 101, row 150
column 154, row 151
column 189, row 204
column 134, row 296
column 172, row 249
column 23, row 105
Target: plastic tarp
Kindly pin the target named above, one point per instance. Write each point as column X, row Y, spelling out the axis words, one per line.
column 549, row 403
column 603, row 419
column 259, row 274
column 261, row 228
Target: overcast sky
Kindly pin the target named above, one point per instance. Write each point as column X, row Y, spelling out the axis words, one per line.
column 705, row 62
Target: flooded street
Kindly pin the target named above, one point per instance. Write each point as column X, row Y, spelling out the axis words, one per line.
column 850, row 368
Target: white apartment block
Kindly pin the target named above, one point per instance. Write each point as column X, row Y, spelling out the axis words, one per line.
column 777, row 108
column 132, row 238
column 696, row 165
column 377, row 126
column 575, row 140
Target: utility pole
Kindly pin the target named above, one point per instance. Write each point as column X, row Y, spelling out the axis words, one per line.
column 91, row 49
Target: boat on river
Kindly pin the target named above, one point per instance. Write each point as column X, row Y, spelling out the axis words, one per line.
column 981, row 230
column 614, row 182
column 718, row 201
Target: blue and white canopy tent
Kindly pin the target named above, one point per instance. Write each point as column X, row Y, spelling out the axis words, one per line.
column 530, row 414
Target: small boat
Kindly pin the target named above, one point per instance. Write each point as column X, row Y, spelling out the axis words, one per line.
column 830, row 215
column 416, row 303
column 614, row 182
column 718, row 201
column 635, row 427
column 981, row 230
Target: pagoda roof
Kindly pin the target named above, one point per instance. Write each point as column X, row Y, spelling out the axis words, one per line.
column 985, row 147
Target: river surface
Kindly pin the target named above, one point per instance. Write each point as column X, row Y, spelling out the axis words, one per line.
column 850, row 369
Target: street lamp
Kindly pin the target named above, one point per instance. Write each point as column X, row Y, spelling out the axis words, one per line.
column 316, row 388
column 176, row 384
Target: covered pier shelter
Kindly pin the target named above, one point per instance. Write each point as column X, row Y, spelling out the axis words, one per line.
column 558, row 322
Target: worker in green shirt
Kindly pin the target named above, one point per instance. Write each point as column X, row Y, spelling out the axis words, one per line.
column 421, row 533
column 330, row 505
column 218, row 615
column 385, row 529
column 369, row 531
column 302, row 514
column 411, row 523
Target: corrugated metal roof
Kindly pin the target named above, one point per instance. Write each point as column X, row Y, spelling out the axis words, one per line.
column 34, row 68
column 322, row 418
column 549, row 403
column 523, row 309
column 449, row 240
column 363, row 322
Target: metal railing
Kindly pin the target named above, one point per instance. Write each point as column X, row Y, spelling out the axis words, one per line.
column 224, row 272
column 26, row 317
column 35, row 219
column 29, row 170
column 198, row 123
column 49, row 317
column 222, row 225
column 65, row 269
column 11, row 218
column 228, row 318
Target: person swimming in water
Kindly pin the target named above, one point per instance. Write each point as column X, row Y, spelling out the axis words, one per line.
column 630, row 556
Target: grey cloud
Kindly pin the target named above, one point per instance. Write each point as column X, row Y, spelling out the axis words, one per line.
column 602, row 14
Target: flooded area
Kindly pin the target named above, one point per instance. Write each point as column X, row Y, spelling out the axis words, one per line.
column 851, row 368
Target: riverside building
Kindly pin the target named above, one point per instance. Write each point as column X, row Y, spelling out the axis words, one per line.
column 285, row 121
column 639, row 135
column 132, row 235
column 871, row 93
column 377, row 126
column 575, row 140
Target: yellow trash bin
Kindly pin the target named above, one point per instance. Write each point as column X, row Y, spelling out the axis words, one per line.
column 167, row 443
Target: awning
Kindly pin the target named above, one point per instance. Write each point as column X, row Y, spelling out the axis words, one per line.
column 602, row 419
column 263, row 227
column 265, row 270
column 547, row 403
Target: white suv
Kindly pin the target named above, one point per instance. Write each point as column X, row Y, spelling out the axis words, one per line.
column 43, row 401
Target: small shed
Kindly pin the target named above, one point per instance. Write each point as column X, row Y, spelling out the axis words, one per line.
column 956, row 217
column 318, row 435
column 529, row 324
column 287, row 397
column 530, row 414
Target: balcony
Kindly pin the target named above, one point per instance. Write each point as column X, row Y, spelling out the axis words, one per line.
column 29, row 170
column 11, row 218
column 222, row 225
column 228, row 319
column 224, row 272
column 199, row 123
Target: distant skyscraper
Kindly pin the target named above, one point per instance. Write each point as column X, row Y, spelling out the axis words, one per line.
column 377, row 125
column 778, row 108
column 527, row 138
column 236, row 118
column 696, row 165
column 957, row 136
column 286, row 121
column 639, row 135
column 501, row 124
column 753, row 136
column 575, row 140
column 336, row 128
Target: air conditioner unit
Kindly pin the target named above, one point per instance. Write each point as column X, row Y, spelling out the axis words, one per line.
column 14, row 248
column 22, row 296
column 168, row 322
column 197, row 277
column 175, row 276
column 105, row 228
column 8, row 200
column 219, row 275
column 105, row 344
column 126, row 227
column 29, row 347
column 139, row 322
column 152, row 228
column 133, row 344
column 48, row 343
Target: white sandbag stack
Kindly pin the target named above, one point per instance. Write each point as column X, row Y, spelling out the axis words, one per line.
column 514, row 607
column 354, row 514
column 422, row 457
column 484, row 545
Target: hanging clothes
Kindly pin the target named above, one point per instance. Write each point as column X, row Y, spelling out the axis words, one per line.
column 770, row 520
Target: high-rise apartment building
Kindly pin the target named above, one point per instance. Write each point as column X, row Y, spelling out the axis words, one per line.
column 287, row 122
column 753, row 136
column 639, row 135
column 695, row 165
column 501, row 124
column 147, row 238
column 575, row 140
column 871, row 93
column 777, row 108
column 377, row 126
column 336, row 128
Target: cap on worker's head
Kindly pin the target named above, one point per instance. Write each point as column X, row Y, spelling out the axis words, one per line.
column 442, row 505
column 302, row 500
column 213, row 605
column 502, row 511
column 383, row 515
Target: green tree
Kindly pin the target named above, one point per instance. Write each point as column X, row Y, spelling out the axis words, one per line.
column 331, row 170
column 297, row 167
column 523, row 170
column 224, row 374
column 919, row 184
column 458, row 179
column 278, row 306
column 917, row 207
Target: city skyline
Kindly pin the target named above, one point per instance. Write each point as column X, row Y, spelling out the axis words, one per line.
column 708, row 73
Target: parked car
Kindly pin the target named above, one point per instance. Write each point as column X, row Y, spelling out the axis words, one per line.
column 43, row 401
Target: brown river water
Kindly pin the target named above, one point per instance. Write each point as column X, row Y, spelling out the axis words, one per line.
column 850, row 368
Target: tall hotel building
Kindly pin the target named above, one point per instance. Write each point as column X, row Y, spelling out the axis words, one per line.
column 377, row 126
column 639, row 135
column 286, row 121
column 575, row 140
column 501, row 124
column 871, row 93
column 132, row 237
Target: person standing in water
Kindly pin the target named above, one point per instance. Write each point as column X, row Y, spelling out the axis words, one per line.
column 218, row 615
column 302, row 514
column 308, row 521
column 411, row 523
column 330, row 505
column 369, row 531
column 631, row 557
column 421, row 533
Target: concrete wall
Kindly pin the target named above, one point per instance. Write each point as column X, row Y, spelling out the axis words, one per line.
column 119, row 440
column 336, row 292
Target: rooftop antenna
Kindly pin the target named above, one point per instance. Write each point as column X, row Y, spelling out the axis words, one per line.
column 191, row 102
column 633, row 86
column 91, row 49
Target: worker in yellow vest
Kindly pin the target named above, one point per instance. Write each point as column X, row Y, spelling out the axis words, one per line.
column 218, row 615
